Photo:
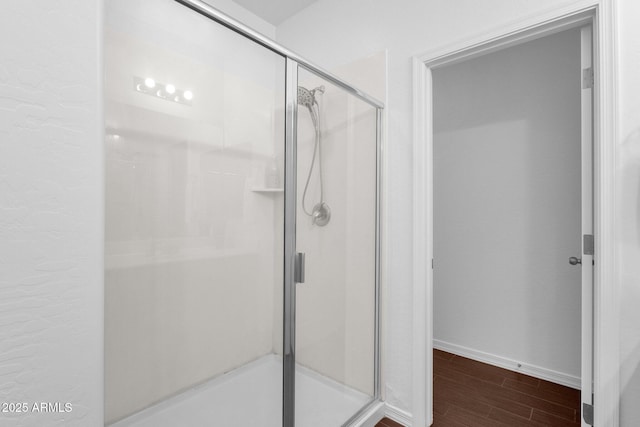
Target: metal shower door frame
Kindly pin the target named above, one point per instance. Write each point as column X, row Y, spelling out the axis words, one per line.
column 293, row 63
column 291, row 123
column 290, row 222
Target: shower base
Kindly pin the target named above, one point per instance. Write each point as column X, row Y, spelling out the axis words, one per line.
column 252, row 396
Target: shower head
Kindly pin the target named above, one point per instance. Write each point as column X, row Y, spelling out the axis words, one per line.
column 306, row 97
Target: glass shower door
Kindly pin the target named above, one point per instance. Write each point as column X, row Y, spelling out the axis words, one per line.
column 194, row 214
column 202, row 323
column 336, row 229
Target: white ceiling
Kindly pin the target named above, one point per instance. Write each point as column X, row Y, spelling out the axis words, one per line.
column 275, row 11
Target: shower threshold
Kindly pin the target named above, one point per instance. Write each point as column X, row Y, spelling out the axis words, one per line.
column 251, row 395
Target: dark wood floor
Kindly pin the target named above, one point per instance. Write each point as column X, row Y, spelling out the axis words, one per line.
column 473, row 394
column 470, row 393
column 386, row 422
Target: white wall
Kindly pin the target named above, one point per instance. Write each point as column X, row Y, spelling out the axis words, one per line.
column 51, row 210
column 245, row 16
column 507, row 206
column 629, row 210
column 352, row 29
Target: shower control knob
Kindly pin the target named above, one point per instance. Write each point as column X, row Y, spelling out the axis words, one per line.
column 321, row 214
column 574, row 261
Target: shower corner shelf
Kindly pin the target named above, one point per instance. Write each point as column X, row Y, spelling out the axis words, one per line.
column 267, row 190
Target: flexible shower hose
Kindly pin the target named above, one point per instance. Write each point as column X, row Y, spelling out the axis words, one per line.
column 315, row 117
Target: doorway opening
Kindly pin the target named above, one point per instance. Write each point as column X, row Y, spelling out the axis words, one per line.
column 512, row 199
column 600, row 16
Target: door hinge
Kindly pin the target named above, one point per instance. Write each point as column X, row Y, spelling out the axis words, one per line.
column 587, row 413
column 432, row 263
column 298, row 268
column 587, row 244
column 587, row 78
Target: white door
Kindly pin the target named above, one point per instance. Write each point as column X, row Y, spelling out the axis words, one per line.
column 587, row 258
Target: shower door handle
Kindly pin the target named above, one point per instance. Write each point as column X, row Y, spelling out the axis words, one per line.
column 298, row 264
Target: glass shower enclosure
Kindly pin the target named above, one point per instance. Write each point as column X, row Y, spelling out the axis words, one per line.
column 241, row 225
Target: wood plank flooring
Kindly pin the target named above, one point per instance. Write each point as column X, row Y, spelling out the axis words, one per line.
column 386, row 422
column 473, row 394
column 470, row 393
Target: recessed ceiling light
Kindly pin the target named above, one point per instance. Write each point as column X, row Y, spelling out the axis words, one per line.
column 170, row 89
column 149, row 82
column 188, row 95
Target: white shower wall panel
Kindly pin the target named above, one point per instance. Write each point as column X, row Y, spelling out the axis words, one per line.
column 175, row 324
column 191, row 263
column 192, row 253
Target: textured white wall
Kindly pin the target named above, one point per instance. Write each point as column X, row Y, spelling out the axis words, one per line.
column 507, row 204
column 51, row 210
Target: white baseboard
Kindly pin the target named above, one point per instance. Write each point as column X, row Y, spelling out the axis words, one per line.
column 510, row 364
column 371, row 417
column 398, row 415
column 380, row 411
